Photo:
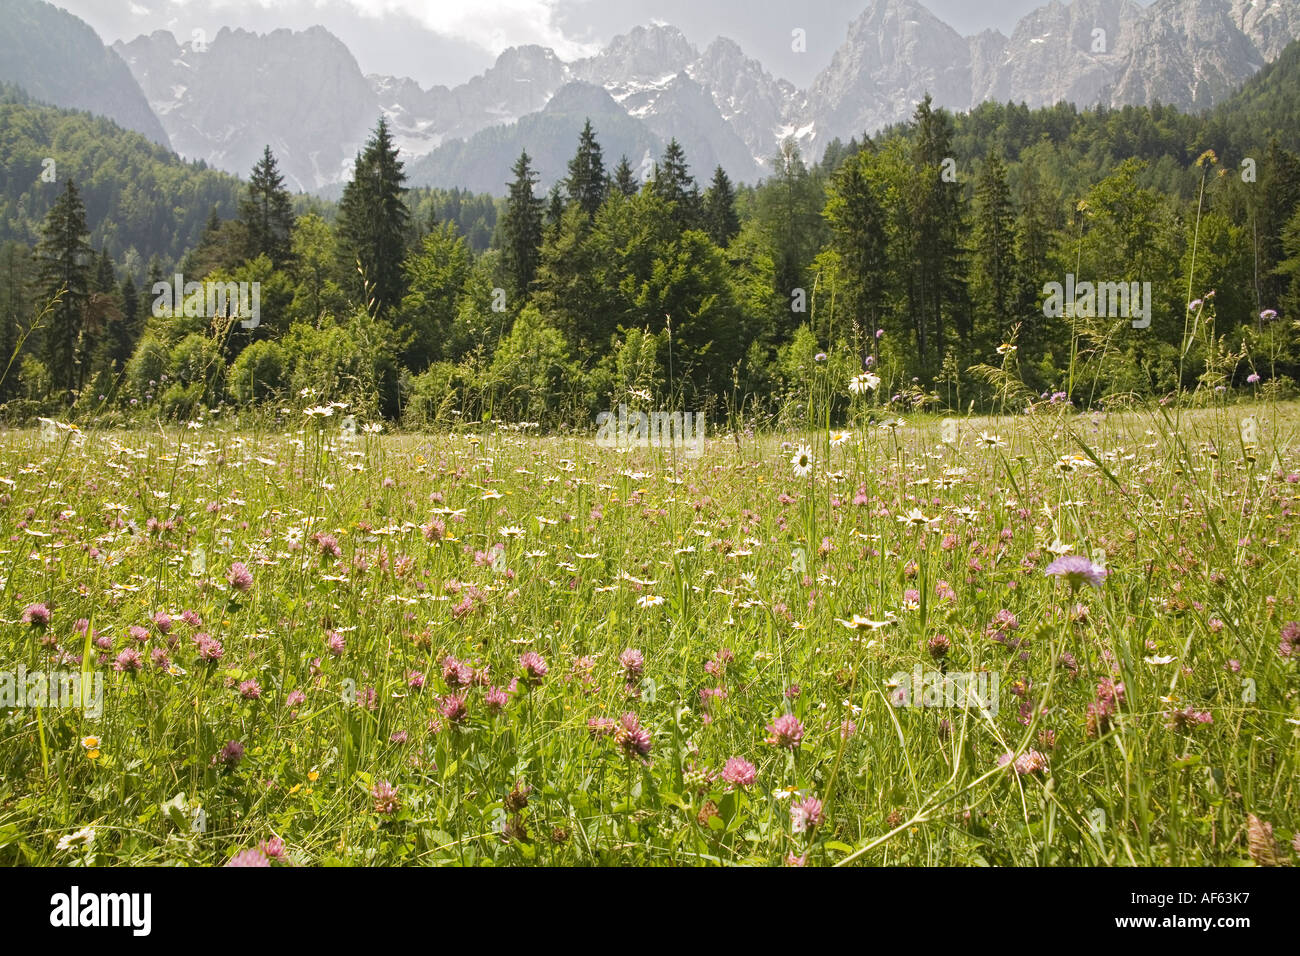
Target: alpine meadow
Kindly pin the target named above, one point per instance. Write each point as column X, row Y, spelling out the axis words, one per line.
column 629, row 458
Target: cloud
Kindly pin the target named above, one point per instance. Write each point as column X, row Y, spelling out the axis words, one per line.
column 490, row 24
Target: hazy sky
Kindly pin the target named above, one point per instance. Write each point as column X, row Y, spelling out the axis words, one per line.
column 448, row 41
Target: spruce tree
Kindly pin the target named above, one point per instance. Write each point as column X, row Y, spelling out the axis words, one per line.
column 372, row 224
column 993, row 266
column 521, row 229
column 860, row 234
column 674, row 183
column 586, row 182
column 15, row 277
column 267, row 213
column 935, row 288
column 64, row 260
column 624, row 179
column 554, row 209
column 720, row 219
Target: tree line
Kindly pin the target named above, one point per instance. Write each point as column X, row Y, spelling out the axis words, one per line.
column 920, row 254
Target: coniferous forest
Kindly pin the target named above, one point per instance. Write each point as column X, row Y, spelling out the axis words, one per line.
column 920, row 254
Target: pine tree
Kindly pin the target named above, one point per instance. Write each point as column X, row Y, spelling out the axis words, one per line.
column 554, row 209
column 586, row 183
column 131, row 327
column 267, row 213
column 108, row 311
column 624, row 179
column 372, row 223
column 935, row 295
column 1276, row 199
column 993, row 266
column 15, row 276
column 859, row 233
column 105, row 278
column 1034, row 227
column 673, row 183
column 64, row 261
column 789, row 208
column 720, row 219
column 521, row 229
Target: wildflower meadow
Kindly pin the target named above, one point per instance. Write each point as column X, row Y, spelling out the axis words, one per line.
column 1054, row 638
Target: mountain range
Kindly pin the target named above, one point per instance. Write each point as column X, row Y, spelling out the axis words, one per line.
column 303, row 93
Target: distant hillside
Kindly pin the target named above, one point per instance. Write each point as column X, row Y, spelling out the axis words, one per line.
column 59, row 59
column 1266, row 106
column 138, row 195
column 482, row 163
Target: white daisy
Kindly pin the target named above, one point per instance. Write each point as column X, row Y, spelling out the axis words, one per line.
column 802, row 461
column 866, row 382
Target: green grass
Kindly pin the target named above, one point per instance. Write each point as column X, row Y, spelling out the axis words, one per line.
column 1197, row 530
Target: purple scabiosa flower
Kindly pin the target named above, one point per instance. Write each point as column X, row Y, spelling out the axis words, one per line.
column 805, row 815
column 786, row 731
column 633, row 663
column 128, row 661
column 739, row 772
column 230, row 754
column 1253, row 378
column 534, row 666
column 631, row 737
column 255, row 857
column 37, row 615
column 385, row 796
column 1077, row 570
column 239, row 577
column 250, row 690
